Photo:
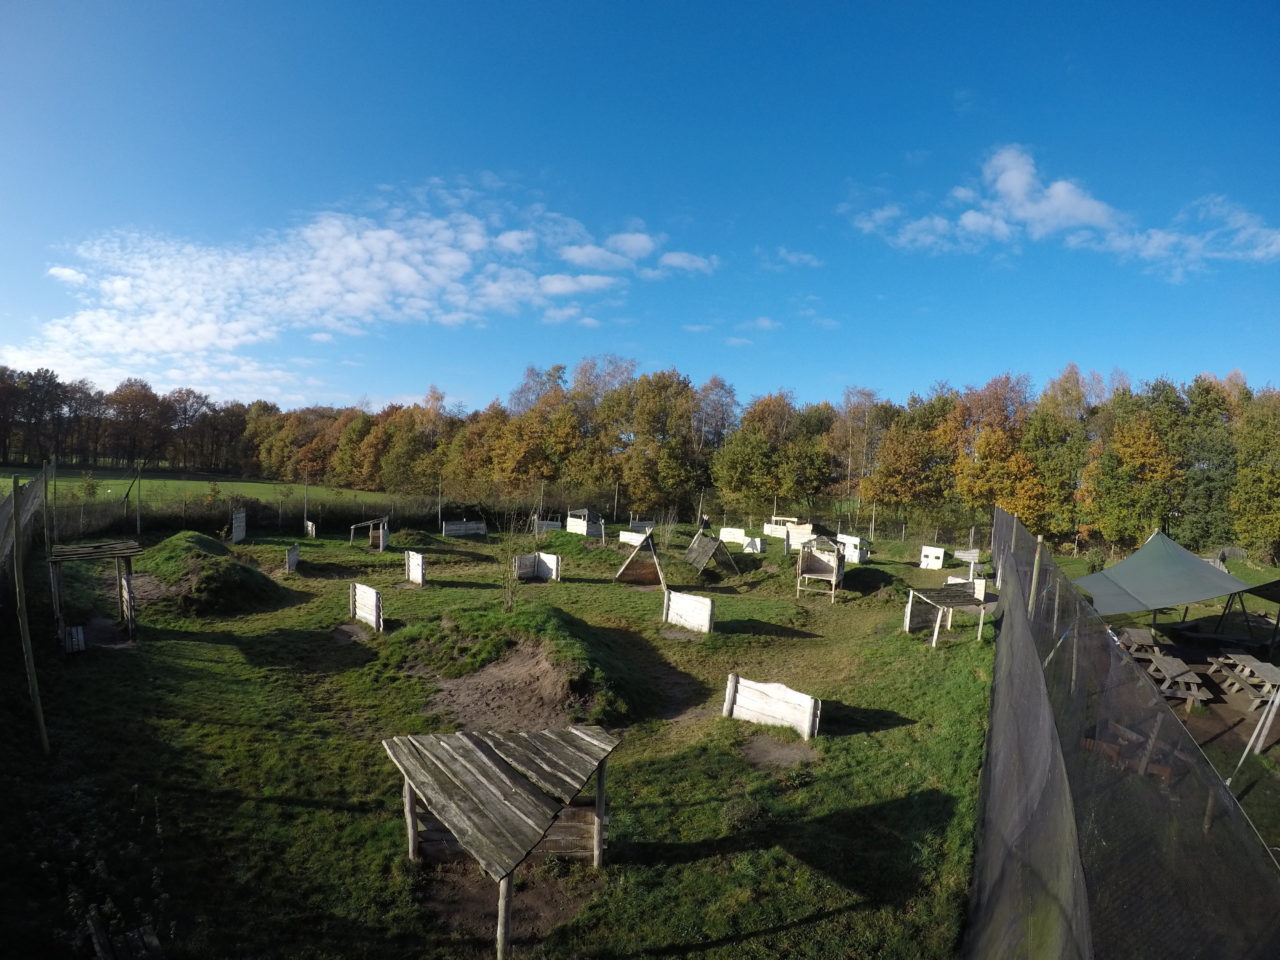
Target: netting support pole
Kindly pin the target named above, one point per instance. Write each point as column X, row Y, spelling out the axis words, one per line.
column 1208, row 810
column 1035, row 576
column 1151, row 746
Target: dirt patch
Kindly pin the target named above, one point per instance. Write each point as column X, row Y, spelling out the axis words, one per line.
column 104, row 632
column 147, row 587
column 765, row 753
column 522, row 691
column 680, row 633
column 464, row 901
column 350, row 633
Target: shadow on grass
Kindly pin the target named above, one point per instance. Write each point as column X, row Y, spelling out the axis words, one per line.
column 865, row 578
column 761, row 628
column 841, row 720
column 468, row 556
column 310, row 651
column 465, row 584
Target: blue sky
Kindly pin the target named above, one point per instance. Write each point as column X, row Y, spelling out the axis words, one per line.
column 327, row 202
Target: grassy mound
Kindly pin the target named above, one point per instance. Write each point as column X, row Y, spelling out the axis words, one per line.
column 209, row 578
column 409, row 539
column 466, row 640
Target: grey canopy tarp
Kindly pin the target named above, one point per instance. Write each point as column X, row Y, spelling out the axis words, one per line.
column 1161, row 574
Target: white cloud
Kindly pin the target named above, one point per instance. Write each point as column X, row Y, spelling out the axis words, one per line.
column 516, row 241
column 1014, row 204
column 634, row 246
column 796, row 258
column 560, row 284
column 760, row 323
column 737, row 342
column 322, row 337
column 688, row 261
column 67, row 275
column 588, row 322
column 696, row 327
column 594, row 258
column 560, row 314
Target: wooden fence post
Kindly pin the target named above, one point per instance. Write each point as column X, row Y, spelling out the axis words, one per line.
column 598, row 857
column 411, row 818
column 504, row 914
column 730, row 695
column 1035, row 576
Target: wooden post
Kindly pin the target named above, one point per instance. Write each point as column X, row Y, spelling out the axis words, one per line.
column 119, row 592
column 615, row 502
column 1151, row 746
column 972, row 530
column 982, row 619
column 411, row 818
column 440, row 502
column 504, row 914
column 1035, row 576
column 1208, row 809
column 730, row 695
column 937, row 625
column 906, row 617
column 598, row 856
column 138, row 504
column 872, row 535
column 20, row 590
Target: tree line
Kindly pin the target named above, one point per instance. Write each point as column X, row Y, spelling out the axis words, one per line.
column 1084, row 461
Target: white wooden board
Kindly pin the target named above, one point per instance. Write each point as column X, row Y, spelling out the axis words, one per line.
column 237, row 526
column 465, row 528
column 414, row 568
column 581, row 525
column 641, row 526
column 309, row 529
column 733, row 535
column 688, row 611
column 753, row 545
column 291, row 559
column 366, row 605
column 537, row 566
column 632, row 538
column 772, row 703
column 931, row 558
column 795, row 540
column 546, row 526
column 775, row 530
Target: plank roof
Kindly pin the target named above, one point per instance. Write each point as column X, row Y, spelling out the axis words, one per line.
column 703, row 548
column 952, row 595
column 498, row 793
column 94, row 551
column 642, row 567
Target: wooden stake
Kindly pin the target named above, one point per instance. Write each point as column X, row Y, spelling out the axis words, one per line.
column 504, row 914
column 730, row 695
column 937, row 625
column 598, row 856
column 411, row 818
column 1035, row 576
column 33, row 684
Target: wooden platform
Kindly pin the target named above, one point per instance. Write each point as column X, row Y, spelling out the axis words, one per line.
column 500, row 793
column 94, row 551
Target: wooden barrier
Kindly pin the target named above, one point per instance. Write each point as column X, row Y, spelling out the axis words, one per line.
column 291, row 559
column 971, row 558
column 309, row 529
column 366, row 605
column 585, row 527
column 820, row 560
column 753, row 545
column 632, row 538
column 688, row 611
column 465, row 528
column 641, row 526
column 237, row 526
column 772, row 703
column 797, row 538
column 733, row 535
column 536, row 566
column 547, row 526
column 414, row 568
column 778, row 530
column 932, row 558
column 855, row 550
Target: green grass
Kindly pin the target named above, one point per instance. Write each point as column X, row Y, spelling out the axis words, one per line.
column 224, row 780
column 211, row 580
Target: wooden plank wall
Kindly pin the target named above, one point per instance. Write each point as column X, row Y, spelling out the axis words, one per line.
column 237, row 526
column 772, row 703
column 366, row 605
column 291, row 559
column 584, row 527
column 632, row 538
column 465, row 528
column 414, row 568
column 309, row 529
column 688, row 611
column 733, row 535
column 932, row 558
column 546, row 526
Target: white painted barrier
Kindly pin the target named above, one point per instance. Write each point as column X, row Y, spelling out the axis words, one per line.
column 772, row 703
column 536, row 566
column 931, row 558
column 237, row 526
column 291, row 559
column 778, row 530
column 583, row 526
column 970, row 557
column 546, row 526
column 849, row 540
column 733, row 535
column 309, row 529
column 856, row 554
column 632, row 538
column 688, row 611
column 753, row 545
column 366, row 605
column 465, row 528
column 641, row 526
column 979, row 586
column 783, row 521
column 414, row 568
column 795, row 540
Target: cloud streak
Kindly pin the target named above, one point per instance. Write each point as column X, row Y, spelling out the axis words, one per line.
column 1012, row 204
column 175, row 310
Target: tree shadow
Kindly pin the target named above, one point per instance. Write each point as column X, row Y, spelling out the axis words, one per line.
column 308, row 651
column 471, row 556
column 762, row 628
column 841, row 720
column 864, row 578
column 466, row 584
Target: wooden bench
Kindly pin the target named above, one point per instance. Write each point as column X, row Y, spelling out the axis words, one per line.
column 73, row 642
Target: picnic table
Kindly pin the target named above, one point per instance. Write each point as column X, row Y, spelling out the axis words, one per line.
column 1177, row 680
column 1247, row 674
column 1140, row 644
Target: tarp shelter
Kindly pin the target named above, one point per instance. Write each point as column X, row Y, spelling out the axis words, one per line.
column 1161, row 574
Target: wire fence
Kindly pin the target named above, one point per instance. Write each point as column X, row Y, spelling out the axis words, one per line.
column 1105, row 832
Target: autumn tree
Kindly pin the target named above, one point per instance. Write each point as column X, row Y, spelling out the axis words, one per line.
column 1132, row 485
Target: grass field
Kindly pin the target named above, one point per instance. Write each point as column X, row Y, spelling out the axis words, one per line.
column 223, row 780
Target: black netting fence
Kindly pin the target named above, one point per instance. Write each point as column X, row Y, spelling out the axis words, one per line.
column 1105, row 832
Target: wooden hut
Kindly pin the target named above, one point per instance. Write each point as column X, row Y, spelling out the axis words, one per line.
column 820, row 559
column 378, row 530
column 122, row 552
column 501, row 795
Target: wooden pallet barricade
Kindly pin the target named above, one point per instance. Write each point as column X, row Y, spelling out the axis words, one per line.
column 414, row 568
column 772, row 703
column 237, row 526
column 465, row 528
column 291, row 559
column 536, row 566
column 366, row 605
column 688, row 611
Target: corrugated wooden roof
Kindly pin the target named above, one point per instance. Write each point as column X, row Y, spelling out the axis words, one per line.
column 94, row 551
column 498, row 793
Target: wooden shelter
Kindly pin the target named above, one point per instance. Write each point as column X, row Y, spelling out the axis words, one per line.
column 820, row 559
column 704, row 548
column 501, row 795
column 378, row 530
column 642, row 568
column 122, row 552
column 955, row 596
